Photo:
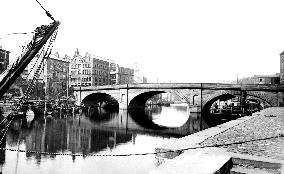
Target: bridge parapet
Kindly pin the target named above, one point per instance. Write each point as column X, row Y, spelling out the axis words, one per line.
column 209, row 86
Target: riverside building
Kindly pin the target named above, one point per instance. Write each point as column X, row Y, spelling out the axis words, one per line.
column 88, row 70
column 120, row 75
column 282, row 68
column 4, row 59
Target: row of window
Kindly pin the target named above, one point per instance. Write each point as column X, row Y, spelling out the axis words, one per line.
column 81, row 84
column 86, row 66
column 75, row 66
column 88, row 84
column 103, row 80
column 103, row 73
column 86, row 71
column 87, row 79
column 100, row 66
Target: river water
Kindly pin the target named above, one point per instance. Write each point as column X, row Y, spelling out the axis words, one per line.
column 91, row 133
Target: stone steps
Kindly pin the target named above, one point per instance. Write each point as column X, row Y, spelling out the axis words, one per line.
column 246, row 170
column 246, row 164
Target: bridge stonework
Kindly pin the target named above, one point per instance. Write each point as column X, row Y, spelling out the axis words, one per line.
column 127, row 95
column 272, row 98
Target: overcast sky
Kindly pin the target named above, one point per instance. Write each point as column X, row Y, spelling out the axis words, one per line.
column 171, row 40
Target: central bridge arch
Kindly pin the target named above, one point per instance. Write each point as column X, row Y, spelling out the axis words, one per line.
column 141, row 99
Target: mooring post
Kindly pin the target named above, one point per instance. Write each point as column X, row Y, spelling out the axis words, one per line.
column 80, row 92
column 201, row 106
column 243, row 101
column 201, row 98
column 280, row 96
column 127, row 96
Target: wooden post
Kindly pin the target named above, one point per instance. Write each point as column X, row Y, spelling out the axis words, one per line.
column 126, row 96
column 243, row 101
column 201, row 98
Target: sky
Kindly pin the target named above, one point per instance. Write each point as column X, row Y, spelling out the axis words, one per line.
column 178, row 41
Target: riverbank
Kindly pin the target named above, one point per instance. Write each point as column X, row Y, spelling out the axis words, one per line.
column 267, row 128
column 257, row 138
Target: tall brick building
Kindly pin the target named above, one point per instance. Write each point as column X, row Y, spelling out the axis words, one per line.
column 57, row 76
column 120, row 75
column 4, row 59
column 282, row 67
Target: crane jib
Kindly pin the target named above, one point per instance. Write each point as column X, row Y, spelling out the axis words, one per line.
column 42, row 35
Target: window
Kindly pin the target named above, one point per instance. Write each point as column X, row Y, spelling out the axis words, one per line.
column 122, row 97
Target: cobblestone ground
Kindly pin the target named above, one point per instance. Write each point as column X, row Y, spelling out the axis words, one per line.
column 267, row 123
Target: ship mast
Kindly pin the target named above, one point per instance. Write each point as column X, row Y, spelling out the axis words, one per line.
column 42, row 35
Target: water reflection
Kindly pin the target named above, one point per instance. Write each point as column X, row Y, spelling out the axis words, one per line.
column 98, row 132
column 144, row 118
column 171, row 116
column 99, row 114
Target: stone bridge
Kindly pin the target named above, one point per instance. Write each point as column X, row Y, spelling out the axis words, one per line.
column 202, row 94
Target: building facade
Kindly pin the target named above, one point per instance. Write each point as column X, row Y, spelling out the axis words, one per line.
column 125, row 75
column 282, row 67
column 121, row 75
column 53, row 76
column 114, row 74
column 261, row 79
column 4, row 59
column 100, row 72
column 56, row 74
column 75, row 69
column 138, row 76
column 88, row 70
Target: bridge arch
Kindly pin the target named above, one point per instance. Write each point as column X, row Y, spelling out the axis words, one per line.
column 138, row 97
column 141, row 99
column 267, row 97
column 191, row 92
column 262, row 99
column 98, row 98
column 206, row 106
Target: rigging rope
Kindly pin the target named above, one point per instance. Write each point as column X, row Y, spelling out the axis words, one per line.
column 46, row 12
column 40, row 67
column 19, row 62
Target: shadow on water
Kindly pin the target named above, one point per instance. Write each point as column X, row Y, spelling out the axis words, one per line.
column 156, row 120
column 217, row 119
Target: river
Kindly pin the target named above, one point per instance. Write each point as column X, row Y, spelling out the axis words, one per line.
column 79, row 140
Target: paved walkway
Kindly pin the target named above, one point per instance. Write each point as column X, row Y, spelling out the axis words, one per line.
column 267, row 123
column 256, row 144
